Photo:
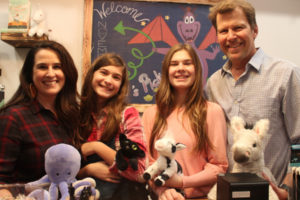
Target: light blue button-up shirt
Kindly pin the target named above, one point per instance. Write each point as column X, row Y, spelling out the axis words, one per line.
column 269, row 88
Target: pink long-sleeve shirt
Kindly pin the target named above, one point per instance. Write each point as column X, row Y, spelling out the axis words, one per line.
column 200, row 169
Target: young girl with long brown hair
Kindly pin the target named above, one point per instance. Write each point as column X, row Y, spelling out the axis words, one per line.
column 104, row 115
column 183, row 113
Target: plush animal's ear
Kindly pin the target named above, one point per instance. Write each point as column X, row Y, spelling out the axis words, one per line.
column 122, row 137
column 261, row 127
column 141, row 153
column 237, row 124
column 180, row 146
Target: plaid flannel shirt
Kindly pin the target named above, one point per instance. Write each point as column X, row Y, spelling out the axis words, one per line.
column 26, row 132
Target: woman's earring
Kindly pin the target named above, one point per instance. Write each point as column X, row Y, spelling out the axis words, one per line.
column 32, row 90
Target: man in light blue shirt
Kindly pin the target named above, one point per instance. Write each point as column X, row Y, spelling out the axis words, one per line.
column 253, row 85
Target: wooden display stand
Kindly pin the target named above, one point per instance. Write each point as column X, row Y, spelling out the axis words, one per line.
column 21, row 40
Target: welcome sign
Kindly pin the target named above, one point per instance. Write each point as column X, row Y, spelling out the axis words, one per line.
column 143, row 32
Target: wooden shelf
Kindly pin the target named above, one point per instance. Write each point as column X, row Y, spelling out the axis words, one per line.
column 21, row 40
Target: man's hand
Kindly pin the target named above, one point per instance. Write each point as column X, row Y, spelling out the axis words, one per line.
column 281, row 193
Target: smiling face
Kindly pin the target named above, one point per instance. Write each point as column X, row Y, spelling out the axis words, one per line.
column 107, row 81
column 48, row 77
column 236, row 37
column 181, row 71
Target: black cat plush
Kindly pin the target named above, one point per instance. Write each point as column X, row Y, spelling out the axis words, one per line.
column 128, row 154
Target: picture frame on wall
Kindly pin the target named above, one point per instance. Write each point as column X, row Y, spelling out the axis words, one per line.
column 142, row 32
column 18, row 16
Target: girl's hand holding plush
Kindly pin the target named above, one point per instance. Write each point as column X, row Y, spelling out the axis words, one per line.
column 88, row 148
column 101, row 171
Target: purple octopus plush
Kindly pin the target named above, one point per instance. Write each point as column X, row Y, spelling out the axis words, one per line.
column 62, row 163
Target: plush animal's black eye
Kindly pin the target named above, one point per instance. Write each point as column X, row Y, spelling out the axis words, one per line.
column 57, row 174
column 173, row 149
column 254, row 145
column 69, row 173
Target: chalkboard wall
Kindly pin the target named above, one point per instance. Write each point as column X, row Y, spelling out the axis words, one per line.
column 142, row 32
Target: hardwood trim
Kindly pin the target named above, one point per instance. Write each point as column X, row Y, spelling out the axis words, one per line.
column 207, row 2
column 87, row 36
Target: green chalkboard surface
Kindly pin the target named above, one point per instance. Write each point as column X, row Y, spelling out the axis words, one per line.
column 142, row 32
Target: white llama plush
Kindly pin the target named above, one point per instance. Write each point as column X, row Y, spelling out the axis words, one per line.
column 248, row 152
column 38, row 24
column 166, row 166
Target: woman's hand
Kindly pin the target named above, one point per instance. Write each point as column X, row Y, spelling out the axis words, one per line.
column 167, row 191
column 101, row 170
column 171, row 194
column 175, row 181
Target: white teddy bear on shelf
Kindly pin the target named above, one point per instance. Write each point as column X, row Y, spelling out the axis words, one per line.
column 38, row 25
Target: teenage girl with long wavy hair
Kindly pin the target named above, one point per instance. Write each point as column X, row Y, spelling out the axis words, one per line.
column 104, row 115
column 182, row 112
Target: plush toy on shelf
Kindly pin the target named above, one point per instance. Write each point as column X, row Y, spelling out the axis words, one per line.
column 38, row 24
column 248, row 152
column 62, row 163
column 166, row 165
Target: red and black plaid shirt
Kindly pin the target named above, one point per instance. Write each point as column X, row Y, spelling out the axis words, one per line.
column 26, row 132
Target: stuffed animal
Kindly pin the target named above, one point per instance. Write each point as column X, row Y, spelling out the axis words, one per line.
column 128, row 154
column 248, row 151
column 166, row 166
column 38, row 24
column 129, row 151
column 62, row 163
column 84, row 189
